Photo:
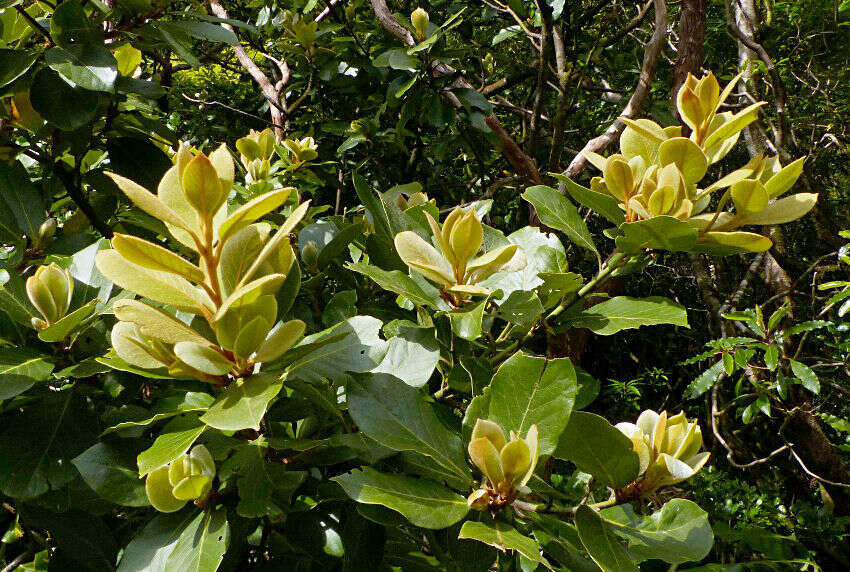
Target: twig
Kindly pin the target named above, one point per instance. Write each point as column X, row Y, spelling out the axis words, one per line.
column 650, row 59
column 813, row 475
column 522, row 163
column 17, row 561
column 270, row 92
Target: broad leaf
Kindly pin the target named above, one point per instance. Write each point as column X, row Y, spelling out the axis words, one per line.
column 423, row 502
column 502, row 536
column 412, row 355
column 36, row 450
column 660, row 233
column 397, row 416
column 598, row 448
column 20, row 369
column 243, row 404
column 360, row 350
column 605, row 205
column 176, row 438
column 202, row 544
column 624, row 313
column 150, row 548
column 531, row 390
column 110, row 470
column 601, row 543
column 677, row 533
column 556, row 211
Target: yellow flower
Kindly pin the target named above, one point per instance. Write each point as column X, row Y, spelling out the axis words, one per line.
column 50, row 290
column 508, row 465
column 668, row 448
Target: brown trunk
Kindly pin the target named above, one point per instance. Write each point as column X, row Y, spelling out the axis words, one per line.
column 691, row 38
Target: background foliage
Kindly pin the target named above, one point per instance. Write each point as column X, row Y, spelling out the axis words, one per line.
column 502, row 95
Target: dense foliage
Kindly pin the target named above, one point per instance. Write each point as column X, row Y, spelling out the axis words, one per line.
column 465, row 286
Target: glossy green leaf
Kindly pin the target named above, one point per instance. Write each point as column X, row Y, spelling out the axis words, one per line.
column 36, row 450
column 90, row 67
column 806, row 375
column 20, row 369
column 202, row 544
column 556, row 211
column 397, row 416
column 14, row 64
column 605, row 205
column 598, row 448
column 65, row 106
column 532, row 390
column 660, row 232
column 110, row 470
column 359, row 350
column 502, row 536
column 601, row 543
column 624, row 312
column 174, row 440
column 423, row 502
column 412, row 355
column 243, row 404
column 148, row 551
column 677, row 533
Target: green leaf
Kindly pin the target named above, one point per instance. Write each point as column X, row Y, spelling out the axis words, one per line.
column 624, row 313
column 660, row 232
column 412, row 355
column 67, row 107
column 677, row 533
column 807, row 377
column 466, row 321
column 397, row 59
column 262, row 485
column 13, row 298
column 598, row 448
column 339, row 243
column 521, row 308
column 606, row 205
column 158, row 286
column 22, row 198
column 601, row 543
column 423, row 502
column 90, row 67
column 70, row 26
column 15, row 63
column 20, row 369
column 166, row 408
column 150, row 548
column 243, row 404
column 397, row 416
column 110, row 470
column 360, row 350
column 205, row 31
column 556, row 211
column 36, row 450
column 502, row 536
column 59, row 330
column 704, row 381
column 202, row 544
column 532, row 390
column 176, row 438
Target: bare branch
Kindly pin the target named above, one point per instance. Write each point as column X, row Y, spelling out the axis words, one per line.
column 270, row 91
column 650, row 59
column 522, row 163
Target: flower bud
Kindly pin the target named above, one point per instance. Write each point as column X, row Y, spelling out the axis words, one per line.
column 668, row 449
column 188, row 477
column 419, row 18
column 479, row 499
column 310, row 254
column 45, row 233
column 507, row 465
column 259, row 169
column 302, row 149
column 50, row 290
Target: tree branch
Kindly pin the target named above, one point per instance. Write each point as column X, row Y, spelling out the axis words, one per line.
column 270, row 91
column 650, row 59
column 522, row 163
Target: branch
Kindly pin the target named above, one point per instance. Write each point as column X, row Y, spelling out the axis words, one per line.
column 522, row 163
column 76, row 193
column 650, row 59
column 270, row 91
